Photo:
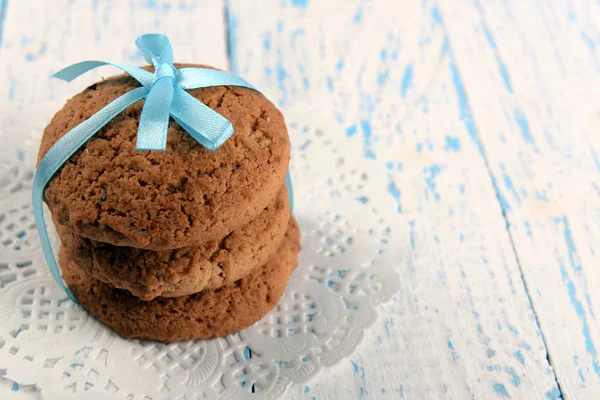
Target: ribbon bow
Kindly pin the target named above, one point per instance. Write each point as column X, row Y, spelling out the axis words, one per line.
column 164, row 91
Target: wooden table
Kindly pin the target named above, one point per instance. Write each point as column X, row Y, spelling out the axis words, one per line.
column 486, row 116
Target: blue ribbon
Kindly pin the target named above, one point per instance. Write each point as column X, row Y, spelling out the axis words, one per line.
column 164, row 91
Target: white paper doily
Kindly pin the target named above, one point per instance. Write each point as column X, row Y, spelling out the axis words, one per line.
column 351, row 241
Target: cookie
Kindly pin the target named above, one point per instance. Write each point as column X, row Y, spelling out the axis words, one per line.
column 158, row 200
column 208, row 314
column 171, row 273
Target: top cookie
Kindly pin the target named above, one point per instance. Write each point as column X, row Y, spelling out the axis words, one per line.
column 110, row 192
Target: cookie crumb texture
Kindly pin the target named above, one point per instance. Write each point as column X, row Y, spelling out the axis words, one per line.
column 208, row 314
column 170, row 273
column 158, row 200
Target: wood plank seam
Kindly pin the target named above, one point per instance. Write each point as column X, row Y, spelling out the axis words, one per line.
column 3, row 5
column 534, row 100
column 502, row 205
column 230, row 25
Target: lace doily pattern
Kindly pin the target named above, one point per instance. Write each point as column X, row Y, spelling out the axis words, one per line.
column 346, row 269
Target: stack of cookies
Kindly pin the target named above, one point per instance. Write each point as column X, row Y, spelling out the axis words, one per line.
column 179, row 244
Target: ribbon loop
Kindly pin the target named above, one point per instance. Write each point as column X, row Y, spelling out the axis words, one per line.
column 73, row 71
column 156, row 49
column 191, row 78
column 164, row 91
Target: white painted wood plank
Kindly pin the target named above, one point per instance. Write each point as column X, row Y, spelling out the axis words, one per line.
column 462, row 326
column 533, row 83
column 41, row 37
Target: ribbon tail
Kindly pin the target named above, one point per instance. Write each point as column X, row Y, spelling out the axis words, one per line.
column 204, row 124
column 73, row 71
column 154, row 121
column 290, row 190
column 58, row 154
column 40, row 222
column 192, row 78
